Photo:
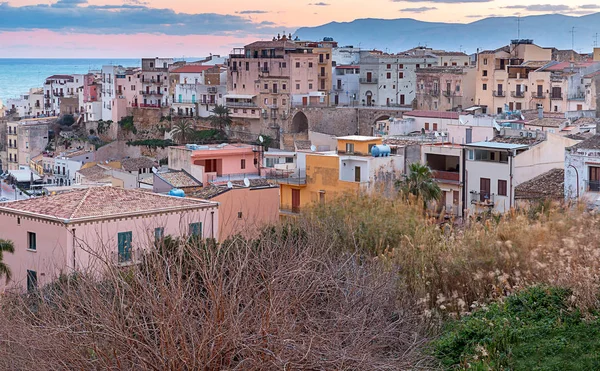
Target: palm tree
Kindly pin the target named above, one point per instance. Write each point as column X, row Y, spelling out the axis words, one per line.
column 182, row 131
column 220, row 117
column 5, row 246
column 420, row 183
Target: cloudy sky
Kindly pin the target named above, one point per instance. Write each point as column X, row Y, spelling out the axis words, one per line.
column 133, row 28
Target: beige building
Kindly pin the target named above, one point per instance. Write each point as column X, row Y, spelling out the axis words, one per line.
column 324, row 50
column 445, row 88
column 25, row 140
column 266, row 78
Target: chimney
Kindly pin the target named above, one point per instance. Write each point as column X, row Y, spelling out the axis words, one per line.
column 540, row 112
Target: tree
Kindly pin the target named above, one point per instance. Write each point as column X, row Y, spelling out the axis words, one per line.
column 182, row 131
column 420, row 183
column 220, row 117
column 5, row 246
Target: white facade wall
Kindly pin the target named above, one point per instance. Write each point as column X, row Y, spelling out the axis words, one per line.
column 346, row 86
column 345, row 56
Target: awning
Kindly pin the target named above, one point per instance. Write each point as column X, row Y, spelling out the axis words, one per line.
column 22, row 176
column 239, row 96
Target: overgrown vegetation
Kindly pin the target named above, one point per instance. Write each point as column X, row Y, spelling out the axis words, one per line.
column 354, row 283
column 208, row 136
column 126, row 124
column 103, row 126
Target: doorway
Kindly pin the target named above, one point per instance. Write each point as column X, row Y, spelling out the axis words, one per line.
column 357, row 174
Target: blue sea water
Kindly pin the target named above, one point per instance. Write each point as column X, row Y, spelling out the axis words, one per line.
column 17, row 76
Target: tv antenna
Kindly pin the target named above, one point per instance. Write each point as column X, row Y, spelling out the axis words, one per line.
column 572, row 32
column 596, row 40
column 519, row 20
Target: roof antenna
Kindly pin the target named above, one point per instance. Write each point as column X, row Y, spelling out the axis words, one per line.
column 519, row 27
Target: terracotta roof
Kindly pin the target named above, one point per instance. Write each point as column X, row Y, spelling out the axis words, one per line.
column 450, row 54
column 277, row 44
column 565, row 65
column 517, row 140
column 532, row 115
column 590, row 75
column 303, row 144
column 505, row 48
column 346, row 67
column 580, row 136
column 179, row 179
column 135, row 164
column 213, row 190
column 433, row 114
column 547, row 122
column 192, row 68
column 586, row 121
column 590, row 143
column 547, row 185
column 96, row 202
column 94, row 173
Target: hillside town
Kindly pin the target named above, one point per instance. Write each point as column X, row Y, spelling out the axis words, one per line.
column 233, row 143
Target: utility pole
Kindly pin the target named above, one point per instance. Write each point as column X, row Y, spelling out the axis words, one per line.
column 519, row 27
column 596, row 40
column 572, row 32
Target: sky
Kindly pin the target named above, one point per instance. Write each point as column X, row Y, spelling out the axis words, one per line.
column 195, row 28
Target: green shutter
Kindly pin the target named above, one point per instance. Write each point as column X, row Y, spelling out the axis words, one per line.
column 196, row 230
column 159, row 233
column 124, row 239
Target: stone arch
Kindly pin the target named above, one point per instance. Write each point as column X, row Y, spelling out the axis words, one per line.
column 369, row 98
column 299, row 123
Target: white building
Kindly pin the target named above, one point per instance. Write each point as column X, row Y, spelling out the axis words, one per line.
column 582, row 171
column 390, row 79
column 66, row 166
column 109, row 90
column 57, row 87
column 345, row 56
column 155, row 82
column 200, row 88
column 346, row 85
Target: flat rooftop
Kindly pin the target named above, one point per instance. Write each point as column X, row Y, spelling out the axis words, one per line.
column 497, row 145
column 359, row 138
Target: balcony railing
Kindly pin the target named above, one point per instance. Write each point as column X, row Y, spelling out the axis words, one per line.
column 264, row 70
column 450, row 93
column 146, row 105
column 578, row 96
column 592, row 185
column 241, row 104
column 150, row 92
column 286, row 176
column 373, row 80
column 556, row 97
column 482, row 198
column 517, row 94
column 498, row 93
column 338, row 88
column 538, row 95
column 446, row 175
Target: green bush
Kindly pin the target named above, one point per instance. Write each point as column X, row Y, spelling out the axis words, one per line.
column 535, row 329
column 153, row 143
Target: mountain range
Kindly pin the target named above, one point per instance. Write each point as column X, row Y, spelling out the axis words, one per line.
column 394, row 35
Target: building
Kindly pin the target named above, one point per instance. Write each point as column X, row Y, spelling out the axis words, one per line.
column 346, row 85
column 503, row 76
column 549, row 186
column 265, row 79
column 582, row 171
column 324, row 49
column 138, row 166
column 495, row 168
column 443, row 88
column 89, row 228
column 445, row 160
column 199, row 89
column 322, row 176
column 155, row 83
column 164, row 182
column 243, row 210
column 67, row 164
column 25, row 140
column 57, row 87
column 345, row 56
column 390, row 79
column 216, row 163
column 105, row 174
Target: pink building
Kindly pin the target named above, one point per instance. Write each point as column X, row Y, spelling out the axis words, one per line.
column 216, row 163
column 87, row 229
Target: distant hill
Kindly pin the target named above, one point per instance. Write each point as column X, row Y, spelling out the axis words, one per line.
column 551, row 30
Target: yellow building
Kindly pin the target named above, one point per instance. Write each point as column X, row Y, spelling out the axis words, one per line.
column 596, row 54
column 351, row 168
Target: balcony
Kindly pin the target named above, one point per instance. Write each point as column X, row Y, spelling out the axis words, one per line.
column 263, row 70
column 592, row 186
column 499, row 93
column 294, row 177
column 578, row 96
column 211, row 90
column 538, row 96
column 338, row 88
column 556, row 97
column 449, row 93
column 446, row 176
column 241, row 104
column 433, row 93
column 150, row 92
column 482, row 198
column 365, row 80
column 146, row 105
column 517, row 94
column 323, row 61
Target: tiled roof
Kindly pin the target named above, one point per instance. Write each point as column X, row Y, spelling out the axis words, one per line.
column 135, row 164
column 586, row 121
column 213, row 190
column 94, row 173
column 580, row 136
column 590, row 143
column 590, row 75
column 192, row 68
column 533, row 114
column 450, row 54
column 179, row 179
column 547, row 122
column 99, row 202
column 303, row 144
column 517, row 140
column 434, row 114
column 277, row 44
column 60, row 77
column 547, row 185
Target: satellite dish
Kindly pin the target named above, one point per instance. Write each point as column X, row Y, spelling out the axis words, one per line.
column 247, row 182
column 261, row 139
column 313, row 148
column 229, row 185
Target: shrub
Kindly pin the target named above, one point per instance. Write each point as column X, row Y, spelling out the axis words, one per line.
column 153, row 143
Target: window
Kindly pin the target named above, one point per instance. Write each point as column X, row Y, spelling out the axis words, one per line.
column 518, row 106
column 283, row 86
column 400, row 75
column 349, row 147
column 31, row 241
column 401, row 66
column 418, row 66
column 485, row 61
column 484, row 72
column 310, row 64
column 239, row 215
column 484, row 87
column 159, row 233
column 124, row 241
column 284, row 65
column 471, row 154
column 389, row 66
column 502, row 187
column 310, row 86
column 266, row 86
column 298, row 65
column 289, row 160
column 32, row 282
column 297, row 86
column 388, row 75
column 196, row 229
column 243, row 164
column 435, row 126
column 426, row 126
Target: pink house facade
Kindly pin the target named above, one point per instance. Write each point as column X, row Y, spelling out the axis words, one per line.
column 87, row 229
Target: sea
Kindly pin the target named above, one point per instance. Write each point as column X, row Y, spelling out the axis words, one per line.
column 17, row 76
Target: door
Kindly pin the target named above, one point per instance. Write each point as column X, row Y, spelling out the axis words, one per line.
column 540, row 91
column 369, row 76
column 500, row 90
column 357, row 173
column 484, row 189
column 402, row 99
column 469, row 135
column 336, row 99
column 180, row 98
column 594, row 179
column 295, row 200
column 511, row 106
column 305, row 101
